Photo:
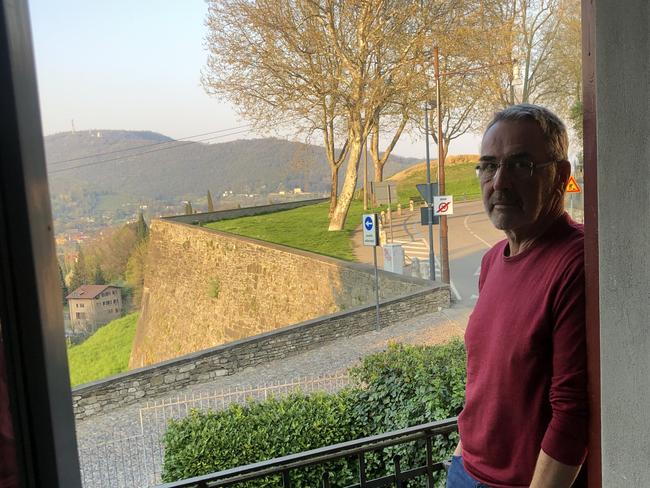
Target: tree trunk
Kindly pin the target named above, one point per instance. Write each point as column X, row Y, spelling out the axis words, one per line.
column 334, row 189
column 379, row 171
column 349, row 185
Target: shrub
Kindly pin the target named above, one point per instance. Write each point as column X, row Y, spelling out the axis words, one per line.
column 405, row 386
column 207, row 442
column 400, row 387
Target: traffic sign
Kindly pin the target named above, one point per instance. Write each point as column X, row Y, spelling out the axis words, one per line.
column 422, row 188
column 424, row 216
column 384, row 191
column 572, row 185
column 443, row 205
column 370, row 230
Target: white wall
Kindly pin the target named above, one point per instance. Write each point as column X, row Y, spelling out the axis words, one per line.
column 623, row 107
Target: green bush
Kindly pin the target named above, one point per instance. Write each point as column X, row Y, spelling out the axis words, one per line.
column 405, row 386
column 207, row 442
column 400, row 387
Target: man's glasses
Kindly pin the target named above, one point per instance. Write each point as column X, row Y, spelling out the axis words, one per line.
column 518, row 168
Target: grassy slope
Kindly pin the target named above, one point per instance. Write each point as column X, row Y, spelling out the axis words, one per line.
column 105, row 353
column 460, row 178
column 302, row 228
column 306, row 227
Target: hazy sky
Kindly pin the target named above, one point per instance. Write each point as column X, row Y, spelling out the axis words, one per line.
column 136, row 65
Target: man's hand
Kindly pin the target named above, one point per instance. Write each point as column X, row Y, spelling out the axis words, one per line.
column 550, row 473
column 459, row 449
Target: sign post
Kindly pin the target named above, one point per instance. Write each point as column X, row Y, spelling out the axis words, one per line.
column 371, row 238
column 428, row 190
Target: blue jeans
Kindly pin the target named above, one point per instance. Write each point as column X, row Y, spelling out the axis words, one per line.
column 457, row 477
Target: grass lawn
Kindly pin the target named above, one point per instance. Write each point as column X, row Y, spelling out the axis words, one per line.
column 460, row 179
column 306, row 227
column 105, row 353
column 301, row 228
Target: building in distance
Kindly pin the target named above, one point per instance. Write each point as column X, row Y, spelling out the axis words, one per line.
column 92, row 306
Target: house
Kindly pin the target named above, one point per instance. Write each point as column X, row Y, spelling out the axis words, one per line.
column 92, row 306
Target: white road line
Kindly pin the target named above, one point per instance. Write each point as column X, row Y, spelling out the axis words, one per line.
column 478, row 271
column 475, row 235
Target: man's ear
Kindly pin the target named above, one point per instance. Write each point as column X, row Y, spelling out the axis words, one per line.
column 563, row 173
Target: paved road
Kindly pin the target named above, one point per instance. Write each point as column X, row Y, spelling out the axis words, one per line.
column 470, row 235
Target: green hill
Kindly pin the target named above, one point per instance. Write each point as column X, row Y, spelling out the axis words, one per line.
column 103, row 354
column 460, row 178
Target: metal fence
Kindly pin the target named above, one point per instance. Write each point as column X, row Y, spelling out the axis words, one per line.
column 136, row 461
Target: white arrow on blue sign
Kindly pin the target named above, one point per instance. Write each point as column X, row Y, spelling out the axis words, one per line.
column 370, row 234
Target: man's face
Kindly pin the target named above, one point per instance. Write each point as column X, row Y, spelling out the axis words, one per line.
column 514, row 203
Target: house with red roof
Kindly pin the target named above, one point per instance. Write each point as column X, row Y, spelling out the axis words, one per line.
column 92, row 306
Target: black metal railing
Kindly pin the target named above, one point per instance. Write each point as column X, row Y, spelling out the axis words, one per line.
column 358, row 448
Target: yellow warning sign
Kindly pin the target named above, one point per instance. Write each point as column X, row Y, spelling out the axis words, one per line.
column 572, row 186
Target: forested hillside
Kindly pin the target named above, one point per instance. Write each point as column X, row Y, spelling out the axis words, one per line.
column 138, row 168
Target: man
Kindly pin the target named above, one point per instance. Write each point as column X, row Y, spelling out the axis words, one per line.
column 525, row 417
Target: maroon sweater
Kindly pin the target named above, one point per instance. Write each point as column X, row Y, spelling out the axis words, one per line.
column 526, row 360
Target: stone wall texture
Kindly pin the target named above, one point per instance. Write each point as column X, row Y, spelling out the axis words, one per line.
column 204, row 288
column 207, row 365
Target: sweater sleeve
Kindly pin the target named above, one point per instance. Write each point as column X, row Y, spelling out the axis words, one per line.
column 565, row 439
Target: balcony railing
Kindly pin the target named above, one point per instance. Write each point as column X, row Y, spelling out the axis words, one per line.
column 283, row 466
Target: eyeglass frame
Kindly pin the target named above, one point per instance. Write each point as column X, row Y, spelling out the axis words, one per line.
column 500, row 164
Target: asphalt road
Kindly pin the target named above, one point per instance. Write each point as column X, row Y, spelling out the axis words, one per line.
column 470, row 235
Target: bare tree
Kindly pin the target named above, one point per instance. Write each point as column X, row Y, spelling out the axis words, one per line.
column 539, row 36
column 330, row 66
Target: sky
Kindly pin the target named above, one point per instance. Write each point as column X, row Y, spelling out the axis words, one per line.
column 136, row 65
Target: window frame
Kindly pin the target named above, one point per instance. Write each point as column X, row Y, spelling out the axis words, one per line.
column 32, row 316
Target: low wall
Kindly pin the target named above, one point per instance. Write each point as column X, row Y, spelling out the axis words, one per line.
column 204, row 366
column 235, row 213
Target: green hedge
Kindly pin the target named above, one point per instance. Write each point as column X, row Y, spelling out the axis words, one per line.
column 400, row 387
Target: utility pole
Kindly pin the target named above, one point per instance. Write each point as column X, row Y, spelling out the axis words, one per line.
column 365, row 176
column 444, row 242
column 432, row 262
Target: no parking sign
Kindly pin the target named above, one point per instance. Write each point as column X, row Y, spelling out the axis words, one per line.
column 443, row 205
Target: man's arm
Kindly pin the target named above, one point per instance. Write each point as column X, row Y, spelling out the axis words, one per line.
column 550, row 473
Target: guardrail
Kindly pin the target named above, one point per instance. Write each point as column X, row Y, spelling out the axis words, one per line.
column 284, row 465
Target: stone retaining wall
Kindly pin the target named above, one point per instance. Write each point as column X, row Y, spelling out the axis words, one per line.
column 153, row 381
column 204, row 288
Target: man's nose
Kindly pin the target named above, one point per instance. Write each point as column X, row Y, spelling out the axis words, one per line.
column 502, row 178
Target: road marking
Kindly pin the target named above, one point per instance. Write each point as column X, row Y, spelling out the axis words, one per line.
column 475, row 235
column 478, row 271
column 473, row 297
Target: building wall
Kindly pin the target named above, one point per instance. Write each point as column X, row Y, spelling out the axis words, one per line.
column 204, row 288
column 97, row 313
column 204, row 366
column 623, row 117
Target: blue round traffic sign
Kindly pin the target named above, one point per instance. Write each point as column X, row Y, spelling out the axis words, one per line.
column 368, row 223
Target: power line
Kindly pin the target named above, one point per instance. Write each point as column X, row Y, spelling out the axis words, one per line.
column 147, row 145
column 123, row 158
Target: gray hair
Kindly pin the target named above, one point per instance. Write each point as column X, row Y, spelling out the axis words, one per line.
column 553, row 128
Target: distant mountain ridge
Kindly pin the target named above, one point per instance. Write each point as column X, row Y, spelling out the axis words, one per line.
column 150, row 165
column 100, row 178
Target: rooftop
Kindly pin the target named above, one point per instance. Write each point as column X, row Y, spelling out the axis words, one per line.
column 89, row 291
